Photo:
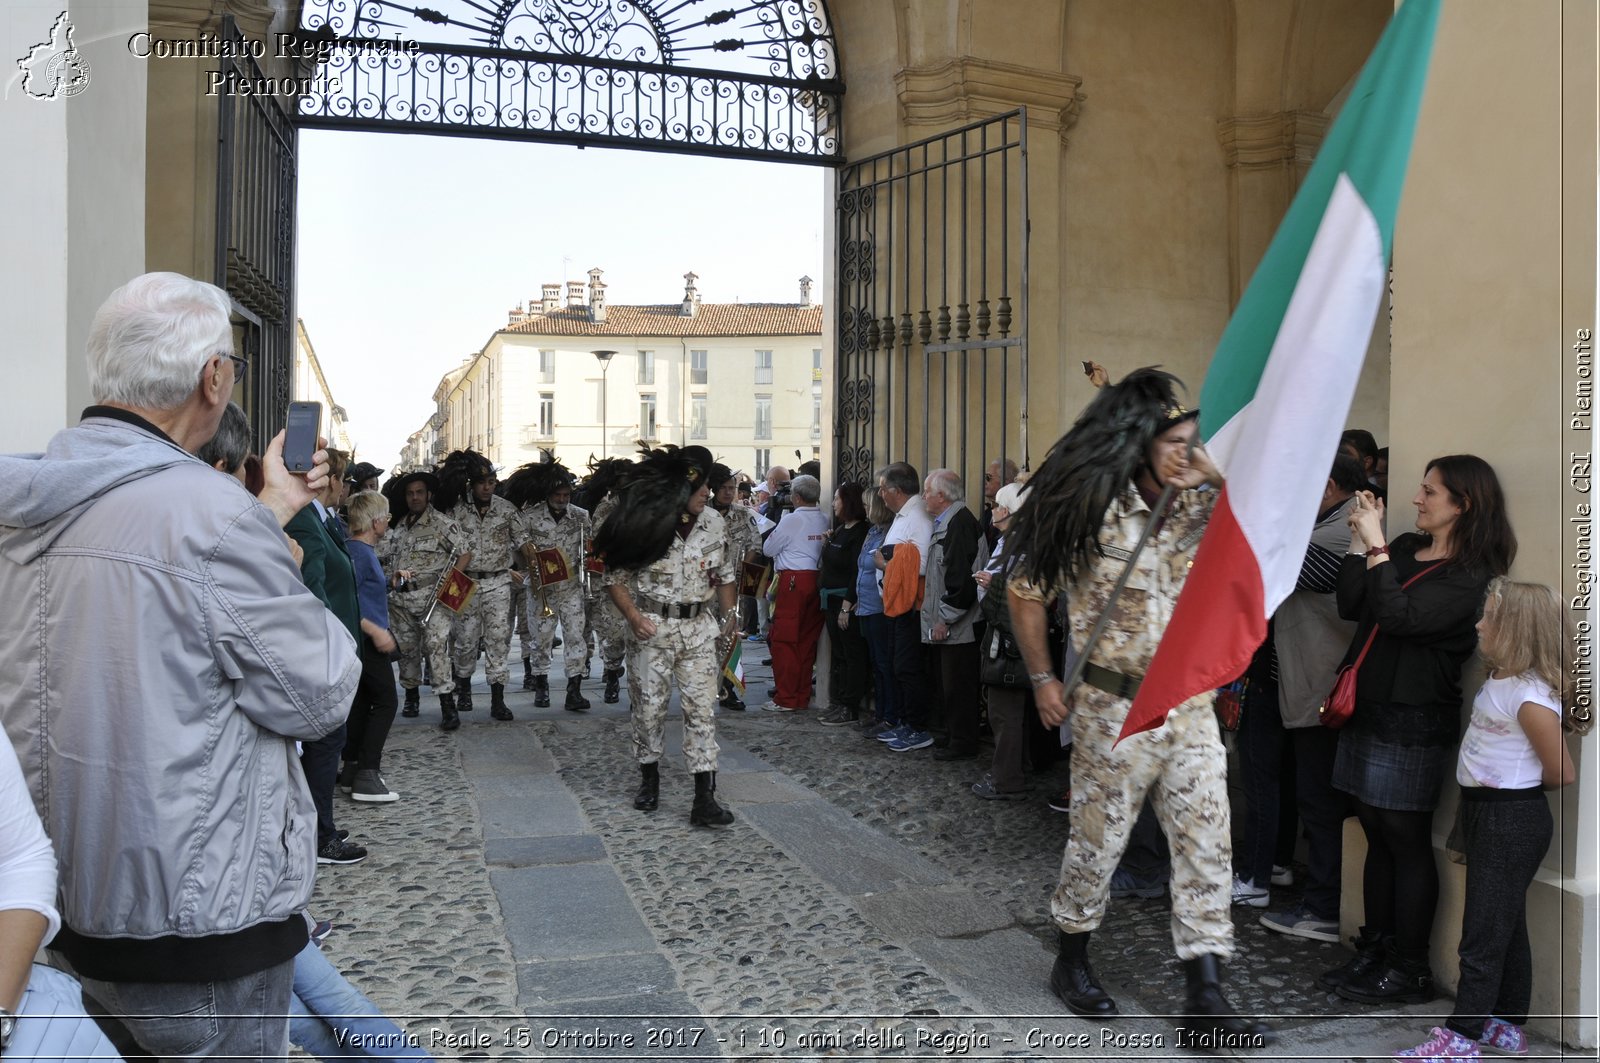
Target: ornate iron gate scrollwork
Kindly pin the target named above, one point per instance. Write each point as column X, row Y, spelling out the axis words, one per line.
column 256, row 173
column 932, row 354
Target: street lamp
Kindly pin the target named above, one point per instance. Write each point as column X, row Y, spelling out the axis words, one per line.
column 605, row 367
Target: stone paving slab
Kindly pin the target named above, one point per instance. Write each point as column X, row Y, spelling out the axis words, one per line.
column 532, row 852
column 939, row 912
column 568, row 912
column 760, row 788
column 630, row 975
column 542, row 814
column 843, row 853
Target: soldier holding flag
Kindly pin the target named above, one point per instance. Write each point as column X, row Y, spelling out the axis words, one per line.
column 557, row 532
column 422, row 547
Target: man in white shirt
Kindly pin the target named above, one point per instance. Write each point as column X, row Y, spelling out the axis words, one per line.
column 795, row 547
column 901, row 490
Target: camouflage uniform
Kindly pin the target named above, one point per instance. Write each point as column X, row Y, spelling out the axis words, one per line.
column 519, row 611
column 425, row 549
column 1182, row 765
column 492, row 538
column 681, row 649
column 570, row 535
column 600, row 614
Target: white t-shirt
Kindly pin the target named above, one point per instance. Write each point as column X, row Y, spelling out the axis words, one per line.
column 912, row 525
column 1495, row 752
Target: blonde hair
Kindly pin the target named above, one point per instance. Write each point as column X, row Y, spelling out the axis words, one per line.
column 364, row 510
column 878, row 511
column 1530, row 633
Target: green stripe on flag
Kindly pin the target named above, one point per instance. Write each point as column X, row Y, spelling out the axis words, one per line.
column 1371, row 142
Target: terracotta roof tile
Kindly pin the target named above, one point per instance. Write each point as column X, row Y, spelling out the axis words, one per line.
column 711, row 319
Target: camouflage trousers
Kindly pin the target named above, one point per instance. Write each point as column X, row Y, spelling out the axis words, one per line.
column 1183, row 767
column 605, row 623
column 413, row 640
column 681, row 651
column 487, row 616
column 567, row 604
column 519, row 607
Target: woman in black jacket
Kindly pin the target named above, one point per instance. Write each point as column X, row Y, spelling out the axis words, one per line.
column 849, row 673
column 1400, row 741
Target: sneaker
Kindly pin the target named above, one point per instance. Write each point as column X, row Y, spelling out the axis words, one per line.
column 320, row 932
column 834, row 716
column 875, row 727
column 894, row 734
column 347, row 775
column 1282, row 876
column 1441, row 1046
column 1124, row 885
column 756, row 638
column 339, row 851
column 984, row 788
column 773, row 706
column 911, row 740
column 1297, row 922
column 369, row 786
column 1246, row 892
column 1062, row 802
column 1503, row 1039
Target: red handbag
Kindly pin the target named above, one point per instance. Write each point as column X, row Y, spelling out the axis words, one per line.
column 1340, row 704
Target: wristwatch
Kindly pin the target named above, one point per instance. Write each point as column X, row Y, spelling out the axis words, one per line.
column 8, row 1026
column 1039, row 679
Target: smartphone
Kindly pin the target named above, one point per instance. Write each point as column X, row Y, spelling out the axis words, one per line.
column 300, row 442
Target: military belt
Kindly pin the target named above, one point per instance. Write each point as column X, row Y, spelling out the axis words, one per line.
column 1123, row 686
column 672, row 610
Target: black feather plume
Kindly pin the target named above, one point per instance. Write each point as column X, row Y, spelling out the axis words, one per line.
column 649, row 503
column 459, row 470
column 534, row 481
column 604, row 475
column 1056, row 536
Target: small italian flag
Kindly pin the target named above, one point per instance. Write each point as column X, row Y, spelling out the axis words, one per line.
column 1279, row 387
column 733, row 668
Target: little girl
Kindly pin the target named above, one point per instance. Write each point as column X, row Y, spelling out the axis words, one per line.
column 1512, row 752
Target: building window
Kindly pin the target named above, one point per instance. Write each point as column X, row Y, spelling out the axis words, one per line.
column 547, row 415
column 647, row 416
column 647, row 369
column 763, row 416
column 816, row 363
column 763, row 460
column 763, row 367
column 697, row 417
column 547, row 367
column 697, row 367
column 816, row 416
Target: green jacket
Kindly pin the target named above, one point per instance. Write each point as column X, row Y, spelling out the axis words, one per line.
column 326, row 568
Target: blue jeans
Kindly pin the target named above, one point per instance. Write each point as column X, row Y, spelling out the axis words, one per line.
column 875, row 627
column 331, row 1019
column 242, row 1019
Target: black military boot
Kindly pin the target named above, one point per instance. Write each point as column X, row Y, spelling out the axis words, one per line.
column 497, row 702
column 1073, row 980
column 1403, row 978
column 730, row 699
column 706, row 812
column 447, row 710
column 576, row 702
column 527, row 673
column 413, row 706
column 463, row 693
column 541, row 692
column 1209, row 1021
column 612, row 691
column 1371, row 948
column 649, row 795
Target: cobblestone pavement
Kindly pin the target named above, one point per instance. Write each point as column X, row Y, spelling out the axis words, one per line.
column 864, row 904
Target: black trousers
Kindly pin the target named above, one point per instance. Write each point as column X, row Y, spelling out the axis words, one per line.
column 910, row 674
column 958, row 683
column 1267, row 761
column 1506, row 834
column 1323, row 811
column 320, row 761
column 372, row 711
column 849, row 670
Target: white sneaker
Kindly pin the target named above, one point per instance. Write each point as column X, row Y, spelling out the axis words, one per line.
column 773, row 706
column 1248, row 893
column 1282, row 876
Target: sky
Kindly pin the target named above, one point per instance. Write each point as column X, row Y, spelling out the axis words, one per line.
column 411, row 249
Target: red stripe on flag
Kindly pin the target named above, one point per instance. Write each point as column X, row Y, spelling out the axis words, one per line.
column 1216, row 627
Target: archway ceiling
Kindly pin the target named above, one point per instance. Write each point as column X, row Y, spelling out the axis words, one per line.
column 751, row 78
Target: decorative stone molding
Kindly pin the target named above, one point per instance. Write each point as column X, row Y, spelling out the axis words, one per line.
column 967, row 89
column 186, row 18
column 1264, row 141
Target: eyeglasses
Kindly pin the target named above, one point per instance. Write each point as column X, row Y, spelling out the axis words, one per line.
column 239, row 365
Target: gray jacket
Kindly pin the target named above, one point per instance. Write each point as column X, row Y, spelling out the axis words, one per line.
column 951, row 594
column 159, row 658
column 1306, row 630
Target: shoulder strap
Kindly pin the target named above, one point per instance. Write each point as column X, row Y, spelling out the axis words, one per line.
column 1374, row 632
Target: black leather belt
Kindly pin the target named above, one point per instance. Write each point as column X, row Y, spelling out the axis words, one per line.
column 1123, row 686
column 480, row 574
column 672, row 610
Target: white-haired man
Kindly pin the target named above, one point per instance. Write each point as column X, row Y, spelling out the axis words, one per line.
column 168, row 784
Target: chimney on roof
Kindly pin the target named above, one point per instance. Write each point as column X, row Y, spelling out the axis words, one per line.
column 597, row 296
column 575, row 296
column 805, row 291
column 691, row 295
column 550, row 301
column 516, row 315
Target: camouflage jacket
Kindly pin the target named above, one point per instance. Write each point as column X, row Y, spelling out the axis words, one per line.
column 492, row 537
column 426, row 548
column 570, row 534
column 695, row 566
column 743, row 536
column 1145, row 606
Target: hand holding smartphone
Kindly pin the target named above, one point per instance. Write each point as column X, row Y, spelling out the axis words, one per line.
column 300, row 442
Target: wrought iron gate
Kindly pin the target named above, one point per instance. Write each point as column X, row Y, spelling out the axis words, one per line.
column 932, row 358
column 255, row 236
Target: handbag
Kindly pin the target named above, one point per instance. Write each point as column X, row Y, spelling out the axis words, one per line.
column 1340, row 704
column 1230, row 705
column 1001, row 664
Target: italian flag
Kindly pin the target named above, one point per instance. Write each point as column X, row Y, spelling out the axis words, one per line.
column 1279, row 387
column 733, row 668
